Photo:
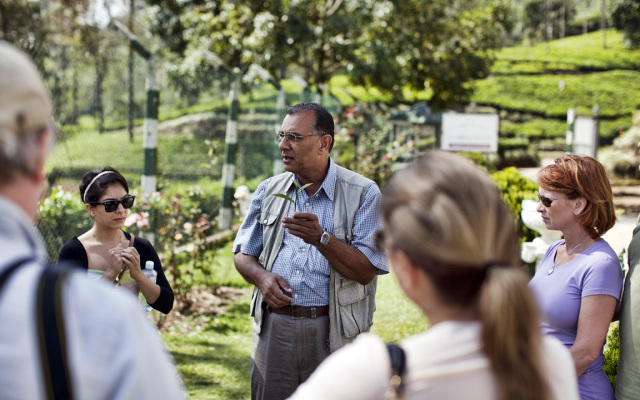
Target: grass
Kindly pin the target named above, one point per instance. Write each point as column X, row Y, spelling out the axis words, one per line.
column 212, row 353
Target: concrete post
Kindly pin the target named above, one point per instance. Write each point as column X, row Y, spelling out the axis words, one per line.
column 228, row 170
column 571, row 119
column 150, row 139
column 278, row 167
column 596, row 129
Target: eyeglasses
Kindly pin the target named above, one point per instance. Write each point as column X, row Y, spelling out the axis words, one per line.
column 112, row 205
column 545, row 200
column 291, row 137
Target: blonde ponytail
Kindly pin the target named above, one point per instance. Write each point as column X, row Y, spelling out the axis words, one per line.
column 511, row 335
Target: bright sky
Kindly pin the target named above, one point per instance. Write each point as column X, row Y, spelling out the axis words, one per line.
column 117, row 7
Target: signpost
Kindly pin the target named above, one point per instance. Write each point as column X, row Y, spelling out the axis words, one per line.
column 470, row 132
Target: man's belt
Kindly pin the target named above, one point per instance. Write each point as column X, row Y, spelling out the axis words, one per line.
column 302, row 311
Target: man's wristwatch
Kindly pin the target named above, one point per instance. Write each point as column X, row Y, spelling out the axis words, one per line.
column 324, row 239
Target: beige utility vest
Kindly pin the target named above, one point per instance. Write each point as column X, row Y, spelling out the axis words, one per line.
column 351, row 304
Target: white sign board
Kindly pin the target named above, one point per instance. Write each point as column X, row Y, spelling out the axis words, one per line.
column 470, row 132
column 584, row 137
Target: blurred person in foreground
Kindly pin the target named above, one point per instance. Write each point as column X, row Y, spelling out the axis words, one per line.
column 453, row 248
column 107, row 252
column 109, row 350
column 579, row 280
column 628, row 378
column 314, row 267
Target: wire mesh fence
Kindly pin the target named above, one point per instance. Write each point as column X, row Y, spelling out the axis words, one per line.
column 91, row 99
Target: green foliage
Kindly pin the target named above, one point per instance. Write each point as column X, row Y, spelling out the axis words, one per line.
column 534, row 128
column 364, row 146
column 612, row 353
column 182, row 226
column 581, row 53
column 514, row 188
column 534, row 20
column 612, row 91
column 298, row 190
column 380, row 44
column 61, row 216
column 626, row 17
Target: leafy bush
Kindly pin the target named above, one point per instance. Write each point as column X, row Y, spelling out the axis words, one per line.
column 364, row 146
column 515, row 188
column 612, row 353
column 61, row 216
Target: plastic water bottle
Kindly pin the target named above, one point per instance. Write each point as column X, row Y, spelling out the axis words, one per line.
column 152, row 274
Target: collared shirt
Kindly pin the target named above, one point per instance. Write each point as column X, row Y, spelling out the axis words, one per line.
column 304, row 268
column 113, row 350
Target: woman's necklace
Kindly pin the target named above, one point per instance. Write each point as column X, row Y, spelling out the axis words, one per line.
column 553, row 267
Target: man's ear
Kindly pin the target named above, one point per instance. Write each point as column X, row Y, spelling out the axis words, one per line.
column 44, row 146
column 325, row 142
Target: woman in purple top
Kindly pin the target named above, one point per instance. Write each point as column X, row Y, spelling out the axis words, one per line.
column 579, row 280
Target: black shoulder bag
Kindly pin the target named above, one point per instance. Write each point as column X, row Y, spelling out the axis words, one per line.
column 398, row 366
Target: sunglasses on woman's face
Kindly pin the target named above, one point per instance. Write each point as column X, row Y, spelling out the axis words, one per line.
column 545, row 200
column 112, row 205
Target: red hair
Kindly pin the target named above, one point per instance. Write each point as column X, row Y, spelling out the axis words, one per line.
column 576, row 176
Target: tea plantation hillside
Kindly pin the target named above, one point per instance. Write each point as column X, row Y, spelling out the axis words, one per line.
column 533, row 87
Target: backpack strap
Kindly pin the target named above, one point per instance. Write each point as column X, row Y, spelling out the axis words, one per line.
column 4, row 276
column 51, row 334
column 398, row 366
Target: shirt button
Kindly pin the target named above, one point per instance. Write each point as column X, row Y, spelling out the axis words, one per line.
column 265, row 221
column 295, row 295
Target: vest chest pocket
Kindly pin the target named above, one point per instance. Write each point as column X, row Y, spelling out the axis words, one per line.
column 269, row 225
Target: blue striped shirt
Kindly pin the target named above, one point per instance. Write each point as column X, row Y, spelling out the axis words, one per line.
column 301, row 264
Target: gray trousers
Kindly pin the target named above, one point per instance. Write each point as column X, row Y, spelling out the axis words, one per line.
column 285, row 354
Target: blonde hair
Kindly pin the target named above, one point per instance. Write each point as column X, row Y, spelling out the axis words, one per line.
column 448, row 217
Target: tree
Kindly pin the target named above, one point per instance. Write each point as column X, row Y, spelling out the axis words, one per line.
column 626, row 18
column 389, row 45
column 559, row 12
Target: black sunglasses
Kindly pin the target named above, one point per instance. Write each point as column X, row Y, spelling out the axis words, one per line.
column 545, row 200
column 112, row 205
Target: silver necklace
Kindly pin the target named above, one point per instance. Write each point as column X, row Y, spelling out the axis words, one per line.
column 553, row 266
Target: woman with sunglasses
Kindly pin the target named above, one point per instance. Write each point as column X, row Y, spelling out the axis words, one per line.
column 109, row 253
column 579, row 280
column 453, row 248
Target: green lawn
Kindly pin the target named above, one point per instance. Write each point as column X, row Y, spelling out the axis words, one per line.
column 212, row 353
